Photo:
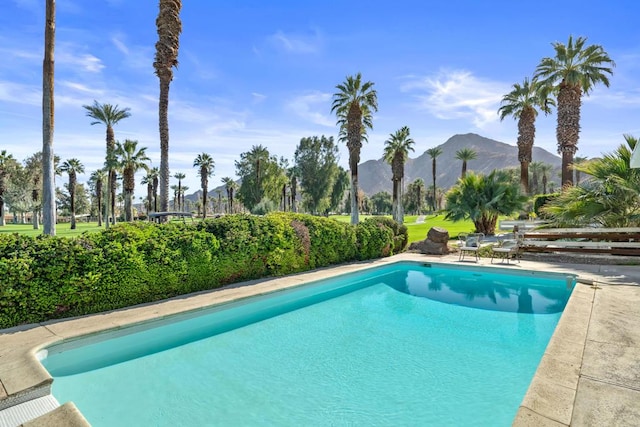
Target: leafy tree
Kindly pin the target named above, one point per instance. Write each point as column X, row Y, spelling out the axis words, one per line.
column 205, row 164
column 7, row 165
column 523, row 103
column 96, row 181
column 48, row 158
column 482, row 198
column 261, row 176
column 396, row 152
column 130, row 160
column 382, row 203
column 337, row 191
column 33, row 168
column 316, row 166
column 573, row 71
column 179, row 176
column 72, row 167
column 169, row 28
column 109, row 115
column 353, row 104
column 415, row 196
column 434, row 153
column 610, row 198
column 465, row 154
column 81, row 200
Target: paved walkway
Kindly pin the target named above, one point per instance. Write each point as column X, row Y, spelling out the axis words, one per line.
column 588, row 376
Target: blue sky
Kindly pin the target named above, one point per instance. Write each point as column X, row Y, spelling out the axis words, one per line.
column 263, row 72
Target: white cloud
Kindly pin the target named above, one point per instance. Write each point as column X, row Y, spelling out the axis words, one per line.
column 20, row 93
column 296, row 43
column 119, row 44
column 84, row 61
column 458, row 94
column 258, row 97
column 312, row 107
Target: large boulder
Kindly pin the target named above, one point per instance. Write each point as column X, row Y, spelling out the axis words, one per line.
column 435, row 243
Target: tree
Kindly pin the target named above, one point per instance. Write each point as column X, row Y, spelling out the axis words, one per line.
column 353, row 105
column 109, row 115
column 483, row 198
column 205, row 165
column 523, row 103
column 340, row 185
column 578, row 161
column 382, row 203
column 465, row 154
column 169, row 28
column 230, row 186
column 179, row 176
column 148, row 181
column 130, row 160
column 396, row 152
column 573, row 71
column 155, row 175
column 48, row 158
column 434, row 153
column 316, row 165
column 33, row 166
column 81, row 200
column 610, row 198
column 545, row 168
column 174, row 188
column 72, row 167
column 415, row 196
column 7, row 165
column 260, row 176
column 96, row 181
column 536, row 169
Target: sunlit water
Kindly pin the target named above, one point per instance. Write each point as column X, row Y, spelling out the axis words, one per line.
column 399, row 345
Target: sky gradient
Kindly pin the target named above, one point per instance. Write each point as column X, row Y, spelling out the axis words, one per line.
column 255, row 72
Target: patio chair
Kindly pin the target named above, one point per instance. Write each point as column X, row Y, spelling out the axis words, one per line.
column 471, row 244
column 507, row 248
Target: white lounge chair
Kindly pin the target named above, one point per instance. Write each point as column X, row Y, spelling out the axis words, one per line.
column 470, row 244
column 507, row 248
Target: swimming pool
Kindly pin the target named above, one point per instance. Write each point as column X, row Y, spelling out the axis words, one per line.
column 405, row 344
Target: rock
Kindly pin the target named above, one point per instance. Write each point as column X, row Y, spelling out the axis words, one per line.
column 434, row 244
column 438, row 235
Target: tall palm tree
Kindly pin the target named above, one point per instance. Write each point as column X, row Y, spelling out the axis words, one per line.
column 148, row 181
column 229, row 186
column 465, row 154
column 353, row 105
column 48, row 158
column 396, row 152
column 97, row 179
column 578, row 161
column 73, row 167
column 182, row 192
column 169, row 28
column 523, row 103
column 545, row 168
column 535, row 168
column 7, row 162
column 174, row 188
column 573, row 71
column 179, row 176
column 130, row 160
column 434, row 153
column 155, row 175
column 109, row 115
column 205, row 164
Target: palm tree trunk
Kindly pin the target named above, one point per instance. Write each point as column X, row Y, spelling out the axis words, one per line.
column 394, row 202
column 568, row 129
column 99, row 197
column 113, row 177
column 524, row 177
column 72, row 195
column 107, row 203
column 128, row 205
column 49, row 193
column 164, row 144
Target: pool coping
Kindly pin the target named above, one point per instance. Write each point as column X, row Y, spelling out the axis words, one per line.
column 573, row 385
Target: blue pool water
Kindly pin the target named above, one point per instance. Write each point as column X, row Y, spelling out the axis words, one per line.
column 405, row 344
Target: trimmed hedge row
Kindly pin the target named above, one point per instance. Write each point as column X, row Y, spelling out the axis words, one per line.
column 46, row 277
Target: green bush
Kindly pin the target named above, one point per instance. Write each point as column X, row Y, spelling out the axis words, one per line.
column 540, row 200
column 46, row 277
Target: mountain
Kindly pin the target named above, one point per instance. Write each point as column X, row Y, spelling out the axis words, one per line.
column 375, row 175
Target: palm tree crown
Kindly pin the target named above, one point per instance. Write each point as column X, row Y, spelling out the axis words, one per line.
column 523, row 103
column 575, row 69
column 73, row 167
column 396, row 152
column 130, row 160
column 205, row 165
column 353, row 105
column 465, row 154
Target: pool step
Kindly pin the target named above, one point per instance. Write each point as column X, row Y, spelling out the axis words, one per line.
column 17, row 415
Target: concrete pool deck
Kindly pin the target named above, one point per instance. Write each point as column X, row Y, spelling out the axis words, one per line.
column 589, row 374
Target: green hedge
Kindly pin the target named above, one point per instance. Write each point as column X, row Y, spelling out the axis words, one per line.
column 46, row 277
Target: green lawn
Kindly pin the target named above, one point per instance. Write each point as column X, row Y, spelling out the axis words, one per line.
column 419, row 231
column 61, row 229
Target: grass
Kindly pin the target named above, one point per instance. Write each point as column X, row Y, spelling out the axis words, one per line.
column 416, row 231
column 419, row 231
column 61, row 229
